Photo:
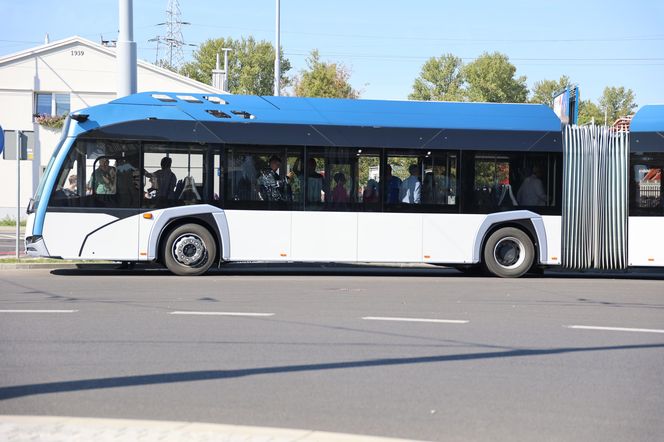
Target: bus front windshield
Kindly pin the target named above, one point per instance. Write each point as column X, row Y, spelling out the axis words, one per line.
column 42, row 181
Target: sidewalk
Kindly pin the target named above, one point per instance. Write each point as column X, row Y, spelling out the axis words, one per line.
column 73, row 429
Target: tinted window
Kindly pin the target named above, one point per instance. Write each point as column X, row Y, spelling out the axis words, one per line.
column 99, row 174
column 511, row 181
column 175, row 175
column 420, row 181
column 645, row 184
column 264, row 177
column 342, row 179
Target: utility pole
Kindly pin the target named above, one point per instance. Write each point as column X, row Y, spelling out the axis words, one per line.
column 19, row 135
column 126, row 52
column 277, row 46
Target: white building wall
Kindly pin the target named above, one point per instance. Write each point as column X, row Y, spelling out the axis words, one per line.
column 85, row 70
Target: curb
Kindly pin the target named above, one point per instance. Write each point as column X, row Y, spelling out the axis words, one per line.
column 58, row 428
column 34, row 266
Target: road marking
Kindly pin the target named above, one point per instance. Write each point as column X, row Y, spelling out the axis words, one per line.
column 638, row 330
column 441, row 321
column 38, row 311
column 222, row 314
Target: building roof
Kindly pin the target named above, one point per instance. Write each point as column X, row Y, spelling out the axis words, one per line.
column 76, row 40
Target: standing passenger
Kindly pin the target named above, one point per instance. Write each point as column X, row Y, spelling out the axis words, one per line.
column 166, row 180
column 411, row 188
column 531, row 192
column 393, row 186
column 339, row 194
column 271, row 186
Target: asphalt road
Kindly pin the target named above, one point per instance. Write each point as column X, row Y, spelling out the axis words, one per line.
column 527, row 359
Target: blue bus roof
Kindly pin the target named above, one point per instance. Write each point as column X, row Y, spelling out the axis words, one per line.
column 250, row 119
column 648, row 119
column 346, row 112
column 647, row 129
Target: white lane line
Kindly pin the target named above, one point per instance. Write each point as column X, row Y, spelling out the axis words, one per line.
column 38, row 311
column 638, row 330
column 222, row 314
column 441, row 321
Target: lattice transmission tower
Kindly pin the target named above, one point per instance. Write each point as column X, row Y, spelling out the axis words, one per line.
column 173, row 40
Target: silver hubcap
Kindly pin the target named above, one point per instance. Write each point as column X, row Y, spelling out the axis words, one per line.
column 189, row 250
column 509, row 252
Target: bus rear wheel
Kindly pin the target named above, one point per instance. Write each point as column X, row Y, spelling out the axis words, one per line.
column 189, row 250
column 508, row 253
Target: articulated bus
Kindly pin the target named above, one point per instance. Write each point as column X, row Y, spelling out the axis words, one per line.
column 191, row 181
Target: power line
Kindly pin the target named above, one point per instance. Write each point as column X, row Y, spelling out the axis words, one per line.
column 656, row 37
column 421, row 57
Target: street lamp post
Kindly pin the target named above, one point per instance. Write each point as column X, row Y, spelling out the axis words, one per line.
column 277, row 62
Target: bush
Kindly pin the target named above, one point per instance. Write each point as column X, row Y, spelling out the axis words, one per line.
column 8, row 221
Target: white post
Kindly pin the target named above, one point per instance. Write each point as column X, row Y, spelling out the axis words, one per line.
column 18, row 191
column 126, row 50
column 277, row 46
column 217, row 79
column 226, row 73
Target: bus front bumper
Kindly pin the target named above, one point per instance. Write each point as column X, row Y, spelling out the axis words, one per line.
column 35, row 246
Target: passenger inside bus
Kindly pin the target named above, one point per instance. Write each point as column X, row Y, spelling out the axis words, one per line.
column 393, row 186
column 531, row 192
column 339, row 193
column 315, row 187
column 411, row 188
column 102, row 181
column 271, row 185
column 165, row 180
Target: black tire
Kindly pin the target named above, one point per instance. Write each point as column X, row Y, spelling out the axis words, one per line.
column 508, row 253
column 189, row 250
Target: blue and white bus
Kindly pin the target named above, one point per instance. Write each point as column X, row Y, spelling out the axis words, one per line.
column 191, row 181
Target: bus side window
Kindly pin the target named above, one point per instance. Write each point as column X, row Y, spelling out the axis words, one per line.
column 645, row 184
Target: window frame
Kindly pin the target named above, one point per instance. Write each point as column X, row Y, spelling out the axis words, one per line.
column 652, row 160
column 53, row 104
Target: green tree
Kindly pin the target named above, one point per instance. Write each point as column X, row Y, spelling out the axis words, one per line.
column 323, row 79
column 250, row 65
column 543, row 90
column 491, row 78
column 589, row 112
column 440, row 80
column 616, row 102
column 163, row 63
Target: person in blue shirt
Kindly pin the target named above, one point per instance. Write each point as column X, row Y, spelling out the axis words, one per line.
column 393, row 186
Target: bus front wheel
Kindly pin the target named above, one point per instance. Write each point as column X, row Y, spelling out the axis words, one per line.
column 508, row 253
column 189, row 250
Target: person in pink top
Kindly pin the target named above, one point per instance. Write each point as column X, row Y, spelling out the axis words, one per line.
column 339, row 194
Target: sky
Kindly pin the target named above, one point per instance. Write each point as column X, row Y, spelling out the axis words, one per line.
column 384, row 43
